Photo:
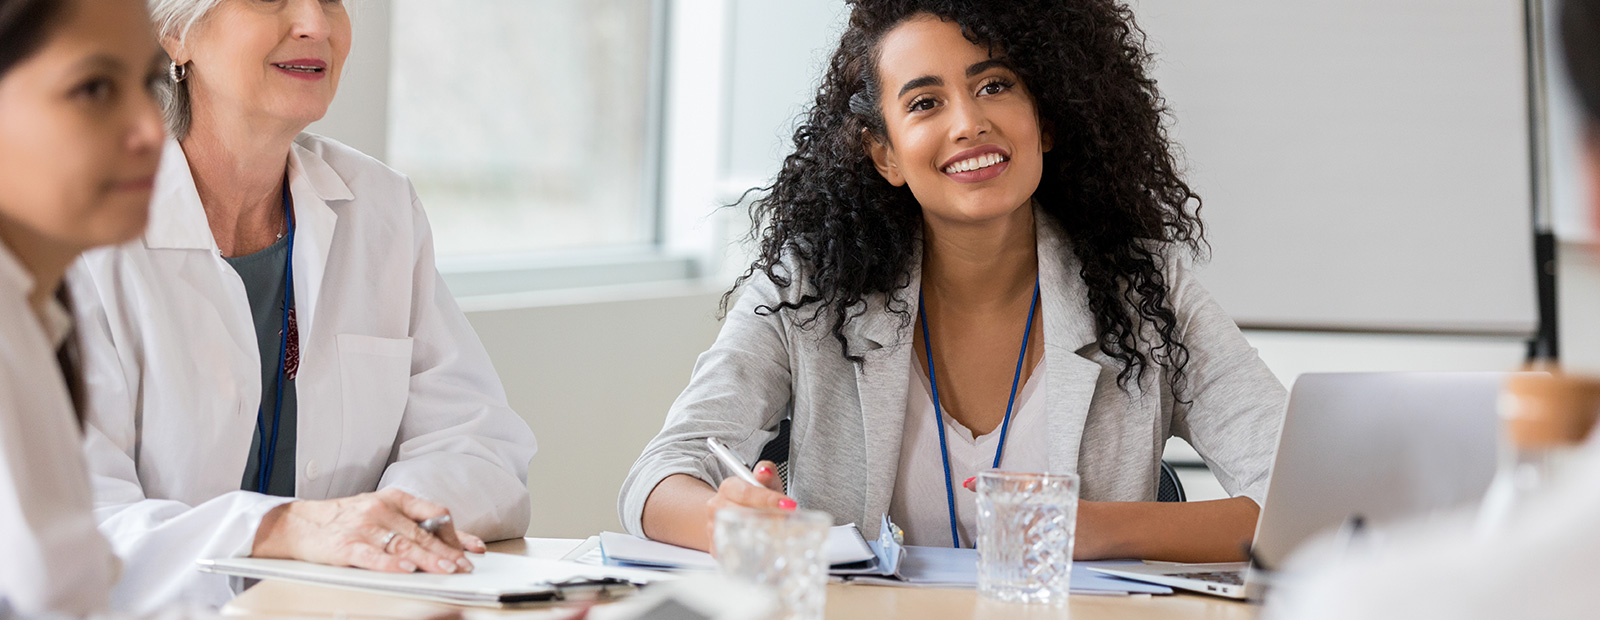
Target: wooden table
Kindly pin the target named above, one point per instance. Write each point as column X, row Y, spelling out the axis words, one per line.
column 845, row 601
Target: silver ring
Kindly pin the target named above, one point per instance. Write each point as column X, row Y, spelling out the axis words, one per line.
column 387, row 538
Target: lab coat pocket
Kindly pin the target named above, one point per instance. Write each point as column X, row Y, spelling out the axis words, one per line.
column 375, row 374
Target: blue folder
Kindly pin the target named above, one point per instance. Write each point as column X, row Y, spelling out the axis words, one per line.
column 948, row 567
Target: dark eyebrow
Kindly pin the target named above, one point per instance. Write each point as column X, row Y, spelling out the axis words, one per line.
column 926, row 80
column 931, row 80
column 103, row 62
column 987, row 65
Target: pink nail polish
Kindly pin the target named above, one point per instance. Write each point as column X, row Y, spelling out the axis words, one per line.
column 787, row 504
column 764, row 470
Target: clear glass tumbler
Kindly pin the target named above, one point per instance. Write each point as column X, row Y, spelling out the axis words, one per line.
column 1025, row 534
column 781, row 550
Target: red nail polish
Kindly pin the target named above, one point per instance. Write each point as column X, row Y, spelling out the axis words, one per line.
column 971, row 484
column 764, row 470
column 787, row 504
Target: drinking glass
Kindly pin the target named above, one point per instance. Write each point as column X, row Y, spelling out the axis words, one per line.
column 778, row 549
column 1025, row 535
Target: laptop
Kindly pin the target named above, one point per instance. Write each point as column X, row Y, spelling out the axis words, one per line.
column 1359, row 449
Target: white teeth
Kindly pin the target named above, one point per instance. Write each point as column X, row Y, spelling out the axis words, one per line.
column 299, row 68
column 975, row 163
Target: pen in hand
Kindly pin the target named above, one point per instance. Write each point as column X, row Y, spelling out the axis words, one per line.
column 732, row 462
column 432, row 524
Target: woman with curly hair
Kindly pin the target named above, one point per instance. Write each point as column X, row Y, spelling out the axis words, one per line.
column 975, row 258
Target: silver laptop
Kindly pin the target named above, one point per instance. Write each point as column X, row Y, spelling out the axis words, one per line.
column 1360, row 449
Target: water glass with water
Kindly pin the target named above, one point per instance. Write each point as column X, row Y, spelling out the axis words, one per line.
column 782, row 550
column 1025, row 534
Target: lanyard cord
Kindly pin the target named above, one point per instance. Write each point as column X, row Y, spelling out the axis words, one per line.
column 268, row 451
column 938, row 420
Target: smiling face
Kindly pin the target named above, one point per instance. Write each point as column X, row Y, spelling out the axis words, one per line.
column 963, row 132
column 275, row 60
column 80, row 130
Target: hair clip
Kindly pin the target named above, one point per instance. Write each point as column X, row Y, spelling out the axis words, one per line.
column 860, row 104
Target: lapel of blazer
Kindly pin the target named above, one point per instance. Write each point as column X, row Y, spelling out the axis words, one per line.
column 1069, row 327
column 883, row 340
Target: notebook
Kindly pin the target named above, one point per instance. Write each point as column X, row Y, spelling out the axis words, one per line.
column 845, row 547
column 879, row 562
column 497, row 579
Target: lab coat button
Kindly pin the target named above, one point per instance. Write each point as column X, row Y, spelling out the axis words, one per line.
column 313, row 469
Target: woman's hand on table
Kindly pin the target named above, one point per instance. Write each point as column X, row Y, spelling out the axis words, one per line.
column 356, row 531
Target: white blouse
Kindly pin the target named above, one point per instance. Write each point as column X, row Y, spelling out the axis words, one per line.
column 55, row 561
column 920, row 505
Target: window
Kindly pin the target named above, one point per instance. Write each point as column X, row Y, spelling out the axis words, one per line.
column 527, row 126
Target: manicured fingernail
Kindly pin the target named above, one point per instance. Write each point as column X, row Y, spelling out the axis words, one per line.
column 407, row 566
column 447, row 566
column 764, row 470
column 787, row 504
column 466, row 567
column 971, row 483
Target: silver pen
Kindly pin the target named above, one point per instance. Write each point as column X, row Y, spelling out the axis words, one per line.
column 432, row 524
column 727, row 458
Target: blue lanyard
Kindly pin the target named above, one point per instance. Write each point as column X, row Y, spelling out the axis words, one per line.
column 268, row 450
column 938, row 420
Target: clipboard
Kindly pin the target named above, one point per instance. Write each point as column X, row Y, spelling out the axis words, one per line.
column 498, row 579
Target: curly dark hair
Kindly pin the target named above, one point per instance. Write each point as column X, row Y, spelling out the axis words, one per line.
column 1111, row 181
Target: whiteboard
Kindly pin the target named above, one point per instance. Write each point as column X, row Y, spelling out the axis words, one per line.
column 1364, row 163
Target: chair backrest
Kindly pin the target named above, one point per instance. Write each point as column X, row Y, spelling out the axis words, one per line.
column 777, row 451
column 1170, row 488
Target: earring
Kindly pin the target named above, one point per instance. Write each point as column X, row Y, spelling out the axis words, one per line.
column 178, row 72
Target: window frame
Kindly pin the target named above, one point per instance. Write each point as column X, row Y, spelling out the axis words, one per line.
column 687, row 238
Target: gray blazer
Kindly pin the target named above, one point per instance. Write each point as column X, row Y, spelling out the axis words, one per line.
column 847, row 417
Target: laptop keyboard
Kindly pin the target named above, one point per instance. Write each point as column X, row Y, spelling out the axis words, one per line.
column 1232, row 578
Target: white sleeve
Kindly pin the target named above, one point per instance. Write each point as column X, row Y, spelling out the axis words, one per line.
column 158, row 540
column 55, row 562
column 1235, row 405
column 460, row 445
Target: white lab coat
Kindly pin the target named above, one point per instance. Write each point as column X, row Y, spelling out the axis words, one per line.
column 54, row 560
column 394, row 388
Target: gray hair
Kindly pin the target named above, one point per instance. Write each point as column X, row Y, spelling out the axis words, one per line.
column 173, row 19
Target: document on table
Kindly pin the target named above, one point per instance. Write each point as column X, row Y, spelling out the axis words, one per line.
column 497, row 579
column 845, row 546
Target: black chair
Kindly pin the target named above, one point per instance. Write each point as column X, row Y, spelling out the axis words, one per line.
column 1168, row 489
column 777, row 451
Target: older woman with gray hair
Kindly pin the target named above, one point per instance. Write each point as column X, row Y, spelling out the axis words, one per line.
column 278, row 369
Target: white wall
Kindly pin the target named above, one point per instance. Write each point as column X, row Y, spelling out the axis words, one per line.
column 359, row 116
column 594, row 380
